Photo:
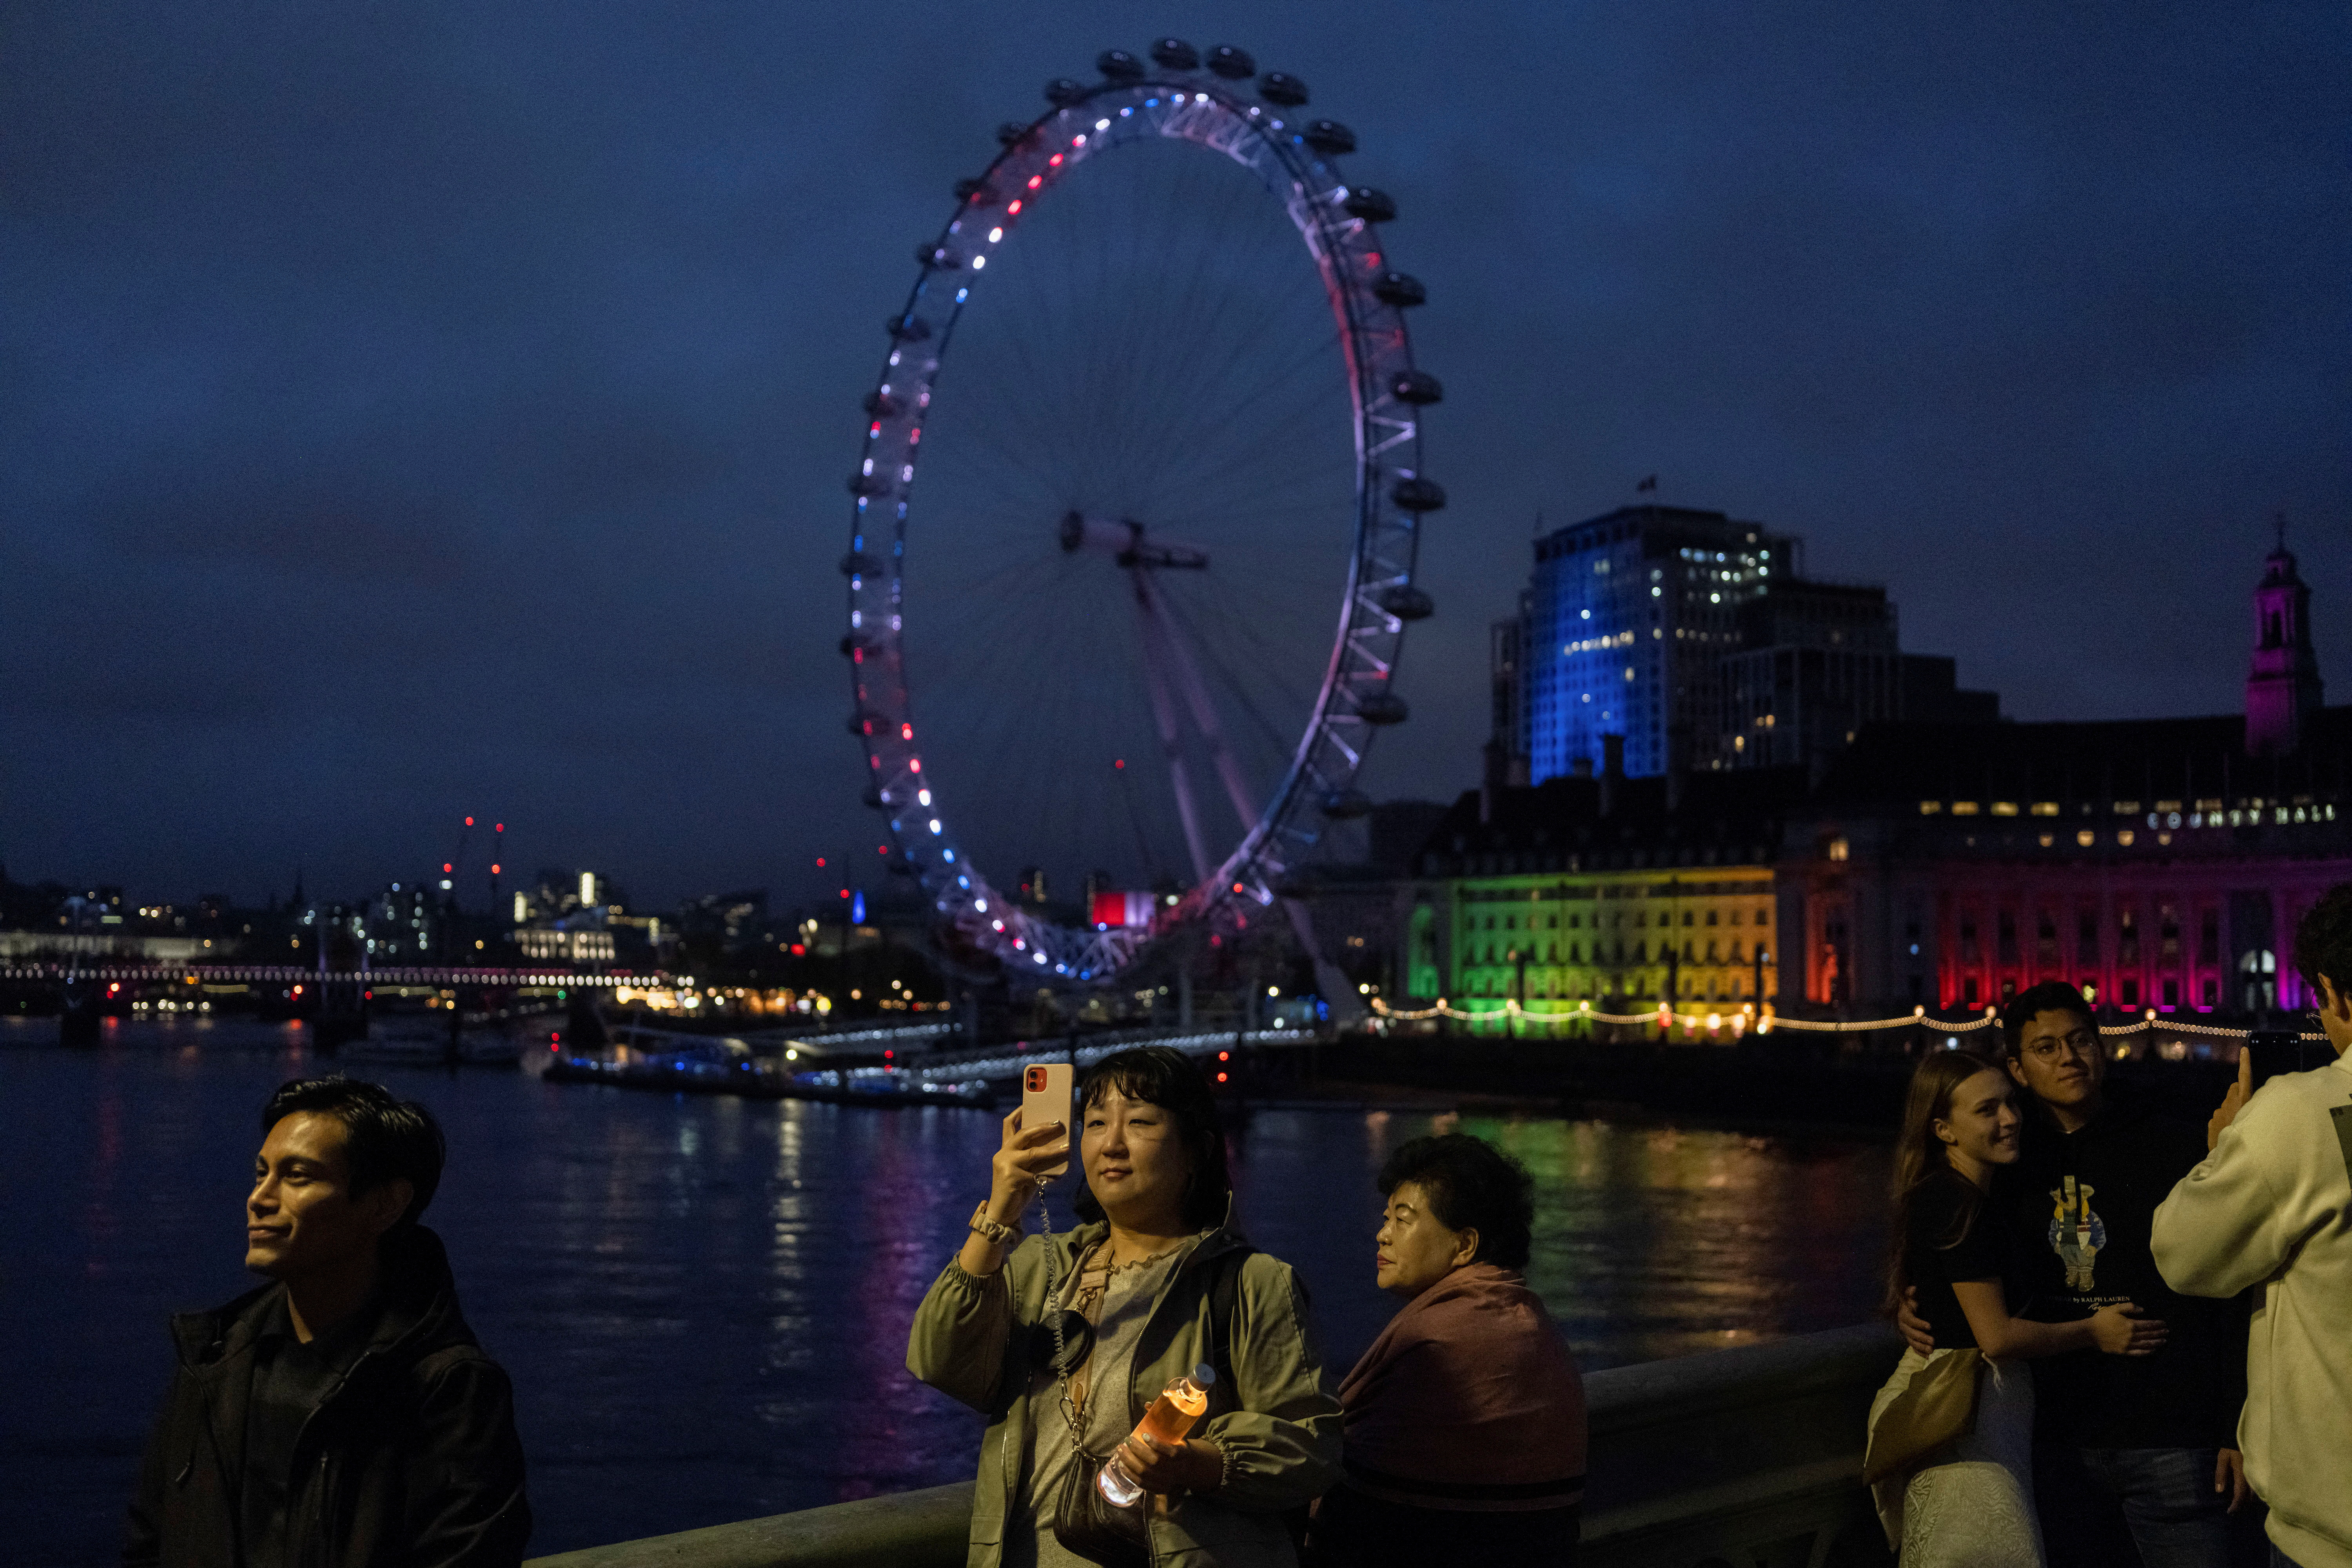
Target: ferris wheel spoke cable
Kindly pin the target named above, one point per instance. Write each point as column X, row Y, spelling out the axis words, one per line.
column 1286, row 433
column 1180, row 387
column 1269, row 664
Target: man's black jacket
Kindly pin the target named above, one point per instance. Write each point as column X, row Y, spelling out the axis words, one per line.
column 410, row 1461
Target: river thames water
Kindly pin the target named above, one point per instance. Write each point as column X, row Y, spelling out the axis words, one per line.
column 704, row 1301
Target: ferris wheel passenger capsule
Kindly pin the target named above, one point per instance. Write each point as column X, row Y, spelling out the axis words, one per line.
column 1175, row 54
column 1061, row 92
column 1383, row 708
column 1407, row 602
column 1329, row 138
column 1371, row 206
column 1233, row 64
column 1418, row 387
column 1400, row 289
column 1286, row 90
column 1417, row 494
column 1119, row 66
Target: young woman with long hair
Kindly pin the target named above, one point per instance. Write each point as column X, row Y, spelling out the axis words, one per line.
column 1966, row 1502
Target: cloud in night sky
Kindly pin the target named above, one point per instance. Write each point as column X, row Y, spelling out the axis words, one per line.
column 411, row 410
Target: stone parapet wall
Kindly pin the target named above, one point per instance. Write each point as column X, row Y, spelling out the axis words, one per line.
column 1750, row 1456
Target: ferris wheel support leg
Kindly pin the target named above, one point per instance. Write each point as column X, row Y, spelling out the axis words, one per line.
column 1205, row 712
column 1163, row 714
column 1347, row 1007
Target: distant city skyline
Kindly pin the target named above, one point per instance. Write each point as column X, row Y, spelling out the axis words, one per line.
column 446, row 411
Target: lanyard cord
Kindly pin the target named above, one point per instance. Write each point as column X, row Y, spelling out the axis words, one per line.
column 1054, row 1321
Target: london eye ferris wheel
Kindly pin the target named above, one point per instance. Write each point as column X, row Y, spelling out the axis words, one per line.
column 1142, row 615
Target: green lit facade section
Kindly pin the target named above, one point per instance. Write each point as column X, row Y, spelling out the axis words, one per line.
column 1621, row 941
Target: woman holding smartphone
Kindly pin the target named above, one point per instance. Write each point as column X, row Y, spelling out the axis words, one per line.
column 1063, row 1339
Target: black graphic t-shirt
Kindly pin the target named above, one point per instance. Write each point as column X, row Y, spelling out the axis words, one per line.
column 2082, row 1207
column 1981, row 1252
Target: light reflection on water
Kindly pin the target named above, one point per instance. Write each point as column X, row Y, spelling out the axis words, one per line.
column 704, row 1301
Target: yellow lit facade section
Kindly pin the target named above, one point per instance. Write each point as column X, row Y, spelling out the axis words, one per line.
column 1551, row 942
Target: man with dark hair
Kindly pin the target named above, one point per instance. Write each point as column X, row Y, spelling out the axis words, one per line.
column 344, row 1413
column 2128, row 1451
column 2272, row 1206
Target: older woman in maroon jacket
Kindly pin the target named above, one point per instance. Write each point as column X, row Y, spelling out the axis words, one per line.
column 1465, row 1421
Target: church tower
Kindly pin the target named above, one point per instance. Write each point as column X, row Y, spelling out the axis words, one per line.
column 2282, row 689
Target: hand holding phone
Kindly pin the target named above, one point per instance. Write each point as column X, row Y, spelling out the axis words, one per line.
column 1046, row 1092
column 2276, row 1051
column 2266, row 1053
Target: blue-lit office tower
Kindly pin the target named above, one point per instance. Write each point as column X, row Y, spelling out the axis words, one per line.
column 1628, row 620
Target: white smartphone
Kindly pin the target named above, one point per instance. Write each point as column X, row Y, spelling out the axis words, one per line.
column 1045, row 1091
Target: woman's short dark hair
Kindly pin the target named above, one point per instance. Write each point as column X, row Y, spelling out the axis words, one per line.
column 1471, row 1186
column 385, row 1138
column 1175, row 1083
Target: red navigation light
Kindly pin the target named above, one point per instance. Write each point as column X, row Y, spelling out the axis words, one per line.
column 819, row 859
column 888, row 1056
column 1119, row 762
column 1221, row 1078
column 1225, row 1056
column 367, row 995
column 554, row 1033
column 498, row 828
column 470, row 821
column 844, row 892
column 881, row 849
column 444, row 871
column 799, row 951
column 494, row 868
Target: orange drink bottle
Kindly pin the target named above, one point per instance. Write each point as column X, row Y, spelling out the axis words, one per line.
column 1170, row 1416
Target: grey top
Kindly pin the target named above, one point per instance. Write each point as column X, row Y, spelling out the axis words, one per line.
column 1109, row 1415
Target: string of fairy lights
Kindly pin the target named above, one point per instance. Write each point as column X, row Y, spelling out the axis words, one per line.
column 1740, row 1022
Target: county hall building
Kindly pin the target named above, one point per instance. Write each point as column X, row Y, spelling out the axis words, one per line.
column 1944, row 863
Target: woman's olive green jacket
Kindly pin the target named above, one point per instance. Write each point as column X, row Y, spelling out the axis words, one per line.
column 1278, row 1425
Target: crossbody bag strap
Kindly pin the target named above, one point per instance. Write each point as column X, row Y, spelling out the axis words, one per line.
column 1224, row 1289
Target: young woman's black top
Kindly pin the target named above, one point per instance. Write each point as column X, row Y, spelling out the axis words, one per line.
column 1981, row 1253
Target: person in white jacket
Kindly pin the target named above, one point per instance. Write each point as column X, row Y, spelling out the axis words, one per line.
column 2271, row 1205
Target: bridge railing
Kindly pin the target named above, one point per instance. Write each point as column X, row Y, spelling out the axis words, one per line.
column 1745, row 1456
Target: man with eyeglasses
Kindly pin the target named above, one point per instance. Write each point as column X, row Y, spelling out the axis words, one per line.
column 2271, row 1209
column 2130, row 1452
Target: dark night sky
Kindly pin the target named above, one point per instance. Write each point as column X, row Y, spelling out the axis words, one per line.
column 411, row 410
